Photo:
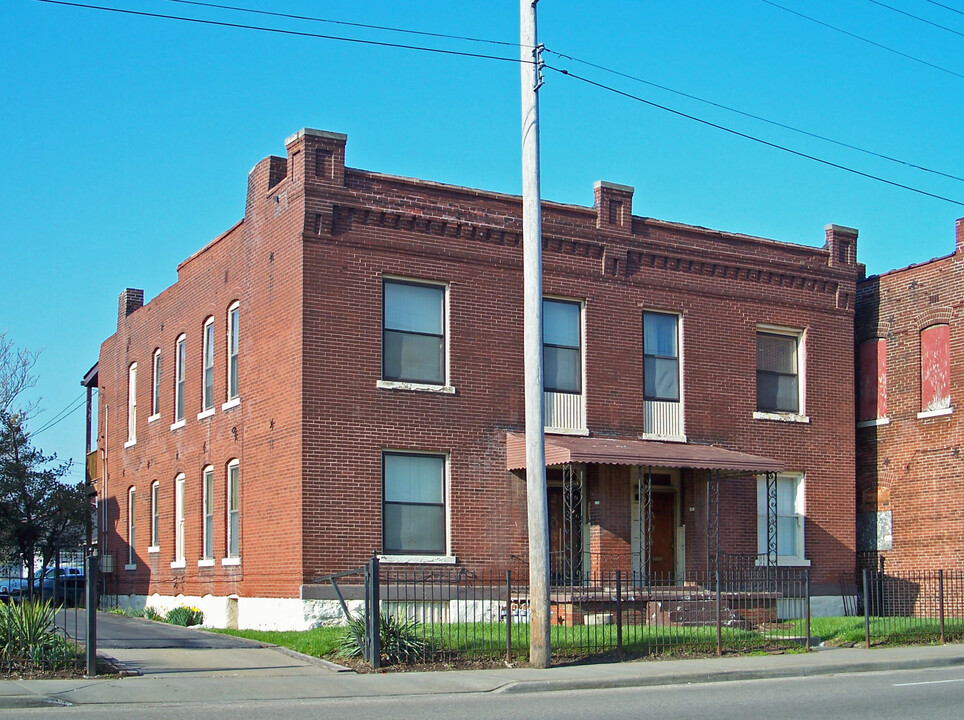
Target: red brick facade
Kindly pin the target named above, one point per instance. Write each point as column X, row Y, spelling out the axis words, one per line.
column 910, row 507
column 307, row 265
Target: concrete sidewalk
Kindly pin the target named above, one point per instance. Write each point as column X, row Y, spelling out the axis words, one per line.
column 266, row 673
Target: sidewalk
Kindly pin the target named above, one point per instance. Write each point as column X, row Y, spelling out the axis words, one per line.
column 267, row 673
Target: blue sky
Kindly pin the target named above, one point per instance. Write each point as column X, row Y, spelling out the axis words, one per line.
column 126, row 141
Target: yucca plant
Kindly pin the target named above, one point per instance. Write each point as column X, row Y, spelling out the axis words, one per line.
column 28, row 637
column 399, row 640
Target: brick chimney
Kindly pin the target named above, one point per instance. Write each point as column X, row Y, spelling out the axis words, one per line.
column 614, row 207
column 317, row 157
column 130, row 300
column 959, row 234
column 842, row 244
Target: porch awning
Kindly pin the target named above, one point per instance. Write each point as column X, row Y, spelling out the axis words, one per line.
column 563, row 449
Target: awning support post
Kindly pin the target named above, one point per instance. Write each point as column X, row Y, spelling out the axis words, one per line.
column 771, row 504
column 572, row 513
column 712, row 520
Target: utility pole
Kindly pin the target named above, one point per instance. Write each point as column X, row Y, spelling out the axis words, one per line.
column 540, row 651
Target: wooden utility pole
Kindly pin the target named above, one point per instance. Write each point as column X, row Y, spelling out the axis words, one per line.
column 540, row 650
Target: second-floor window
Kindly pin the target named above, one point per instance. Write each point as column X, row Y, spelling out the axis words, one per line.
column 179, row 379
column 156, row 384
column 207, row 361
column 872, row 388
column 132, row 404
column 413, row 332
column 660, row 357
column 777, row 372
column 233, row 320
column 935, row 368
column 561, row 346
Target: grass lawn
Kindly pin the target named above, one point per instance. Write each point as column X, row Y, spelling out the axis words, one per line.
column 319, row 642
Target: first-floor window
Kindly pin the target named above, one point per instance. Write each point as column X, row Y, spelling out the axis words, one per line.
column 789, row 516
column 131, row 552
column 414, row 503
column 155, row 513
column 179, row 519
column 234, row 504
column 208, row 512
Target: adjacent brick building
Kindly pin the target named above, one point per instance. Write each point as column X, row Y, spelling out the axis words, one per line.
column 341, row 372
column 910, row 369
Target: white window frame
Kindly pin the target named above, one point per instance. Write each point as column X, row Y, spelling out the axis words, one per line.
column 233, row 352
column 180, row 356
column 800, row 516
column 131, row 405
column 179, row 529
column 232, row 545
column 207, row 516
column 445, row 387
column 567, row 405
column 131, row 535
column 801, row 357
column 207, row 369
column 660, row 407
column 446, row 556
column 155, row 518
column 155, row 386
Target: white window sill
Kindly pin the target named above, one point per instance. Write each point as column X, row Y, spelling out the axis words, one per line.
column 178, row 425
column 418, row 559
column 566, row 431
column 178, row 565
column 874, row 423
column 153, row 418
column 935, row 413
column 130, row 443
column 785, row 562
column 232, row 403
column 206, row 562
column 154, row 549
column 415, row 387
column 204, row 414
column 130, row 566
column 781, row 417
column 664, row 438
column 231, row 561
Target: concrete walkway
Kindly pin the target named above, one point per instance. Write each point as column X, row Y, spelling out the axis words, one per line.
column 191, row 675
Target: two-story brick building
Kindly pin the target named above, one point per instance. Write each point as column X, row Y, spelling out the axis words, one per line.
column 342, row 372
column 910, row 366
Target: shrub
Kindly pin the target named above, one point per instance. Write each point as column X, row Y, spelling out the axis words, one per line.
column 29, row 640
column 152, row 614
column 186, row 616
column 400, row 641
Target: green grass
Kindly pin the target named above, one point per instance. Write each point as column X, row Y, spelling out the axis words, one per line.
column 883, row 630
column 319, row 642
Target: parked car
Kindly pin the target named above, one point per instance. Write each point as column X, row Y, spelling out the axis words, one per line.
column 71, row 589
column 10, row 588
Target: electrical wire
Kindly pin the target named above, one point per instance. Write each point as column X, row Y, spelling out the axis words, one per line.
column 946, row 7
column 916, row 17
column 761, row 141
column 279, row 31
column 386, row 28
column 862, row 39
column 72, row 407
column 775, row 123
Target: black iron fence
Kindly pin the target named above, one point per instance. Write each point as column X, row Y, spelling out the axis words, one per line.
column 911, row 606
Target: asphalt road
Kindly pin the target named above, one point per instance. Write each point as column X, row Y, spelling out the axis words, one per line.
column 935, row 694
column 121, row 632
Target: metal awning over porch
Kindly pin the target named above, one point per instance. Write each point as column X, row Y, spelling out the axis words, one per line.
column 565, row 449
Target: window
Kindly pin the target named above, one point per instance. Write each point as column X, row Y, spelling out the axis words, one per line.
column 155, row 513
column 131, row 547
column 207, row 362
column 233, row 319
column 790, row 518
column 178, row 522
column 207, row 512
column 413, row 336
column 234, row 504
column 561, row 346
column 179, row 380
column 872, row 389
column 935, row 375
column 660, row 357
column 413, row 518
column 777, row 376
column 131, row 404
column 156, row 385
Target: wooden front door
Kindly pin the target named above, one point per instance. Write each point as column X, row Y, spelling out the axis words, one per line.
column 663, row 555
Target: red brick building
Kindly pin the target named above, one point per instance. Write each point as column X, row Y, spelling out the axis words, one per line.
column 341, row 372
column 910, row 365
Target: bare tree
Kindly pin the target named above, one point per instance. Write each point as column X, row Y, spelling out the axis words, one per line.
column 16, row 376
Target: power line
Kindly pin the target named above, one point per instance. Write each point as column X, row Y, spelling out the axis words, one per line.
column 72, row 407
column 345, row 22
column 279, row 31
column 753, row 138
column 916, row 17
column 946, row 7
column 775, row 123
column 862, row 39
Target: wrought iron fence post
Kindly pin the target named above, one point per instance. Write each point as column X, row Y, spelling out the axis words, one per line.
column 91, row 614
column 376, row 635
column 619, row 614
column 806, row 574
column 719, row 616
column 940, row 600
column 866, row 574
column 508, row 616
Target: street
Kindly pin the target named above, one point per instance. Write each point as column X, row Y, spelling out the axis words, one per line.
column 936, row 694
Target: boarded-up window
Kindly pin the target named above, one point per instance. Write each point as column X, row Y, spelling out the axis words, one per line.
column 873, row 379
column 935, row 365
